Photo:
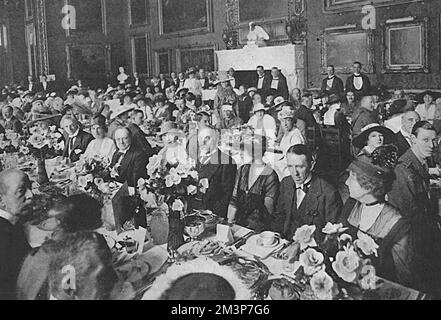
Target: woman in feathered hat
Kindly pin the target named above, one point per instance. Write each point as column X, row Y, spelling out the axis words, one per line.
column 225, row 95
column 200, row 279
column 368, row 213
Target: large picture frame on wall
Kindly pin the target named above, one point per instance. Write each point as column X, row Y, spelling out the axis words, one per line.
column 178, row 17
column 91, row 17
column 201, row 57
column 87, row 61
column 405, row 46
column 341, row 48
column 351, row 5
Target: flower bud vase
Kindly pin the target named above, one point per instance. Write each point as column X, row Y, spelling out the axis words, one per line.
column 41, row 170
column 159, row 227
column 176, row 231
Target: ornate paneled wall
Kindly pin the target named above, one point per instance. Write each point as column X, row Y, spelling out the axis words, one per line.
column 12, row 42
column 402, row 27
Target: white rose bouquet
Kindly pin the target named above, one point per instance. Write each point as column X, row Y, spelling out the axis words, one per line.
column 338, row 264
column 171, row 184
column 92, row 175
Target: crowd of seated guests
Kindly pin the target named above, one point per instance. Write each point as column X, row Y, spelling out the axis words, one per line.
column 383, row 188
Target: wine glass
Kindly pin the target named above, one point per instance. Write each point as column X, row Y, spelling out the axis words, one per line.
column 194, row 227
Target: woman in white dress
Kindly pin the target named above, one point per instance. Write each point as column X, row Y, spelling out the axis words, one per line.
column 175, row 149
column 291, row 136
column 427, row 109
column 102, row 146
column 263, row 123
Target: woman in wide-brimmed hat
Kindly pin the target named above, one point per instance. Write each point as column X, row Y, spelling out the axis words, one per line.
column 371, row 137
column 263, row 123
column 200, row 279
column 119, row 117
column 174, row 145
column 225, row 95
column 289, row 136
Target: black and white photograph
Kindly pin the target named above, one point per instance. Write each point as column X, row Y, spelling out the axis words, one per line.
column 233, row 152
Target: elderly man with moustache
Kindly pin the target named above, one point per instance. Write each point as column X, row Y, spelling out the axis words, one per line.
column 128, row 166
column 220, row 171
column 76, row 139
column 15, row 201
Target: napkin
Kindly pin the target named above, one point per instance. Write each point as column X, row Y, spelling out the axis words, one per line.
column 251, row 247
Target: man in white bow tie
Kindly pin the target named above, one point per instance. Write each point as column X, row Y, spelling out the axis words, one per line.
column 332, row 84
column 305, row 198
column 358, row 83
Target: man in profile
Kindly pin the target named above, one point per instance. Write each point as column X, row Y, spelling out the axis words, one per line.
column 15, row 201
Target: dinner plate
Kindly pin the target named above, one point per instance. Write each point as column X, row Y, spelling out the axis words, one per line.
column 256, row 241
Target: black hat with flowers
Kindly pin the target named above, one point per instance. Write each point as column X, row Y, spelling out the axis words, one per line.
column 379, row 165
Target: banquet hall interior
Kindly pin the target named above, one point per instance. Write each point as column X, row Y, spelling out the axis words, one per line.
column 220, row 150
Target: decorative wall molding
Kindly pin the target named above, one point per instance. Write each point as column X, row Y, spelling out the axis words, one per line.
column 343, row 40
column 104, row 27
column 296, row 25
column 209, row 28
column 332, row 6
column 291, row 28
column 42, row 37
column 389, row 66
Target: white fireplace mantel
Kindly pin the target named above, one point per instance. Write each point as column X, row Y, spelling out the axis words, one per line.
column 289, row 58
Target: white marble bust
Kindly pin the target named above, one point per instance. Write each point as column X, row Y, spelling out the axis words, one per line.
column 122, row 77
column 257, row 36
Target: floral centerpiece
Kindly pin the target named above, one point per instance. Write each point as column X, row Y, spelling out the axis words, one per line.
column 169, row 190
column 43, row 143
column 339, row 265
column 93, row 175
column 10, row 142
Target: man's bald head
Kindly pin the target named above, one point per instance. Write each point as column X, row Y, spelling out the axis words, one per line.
column 15, row 191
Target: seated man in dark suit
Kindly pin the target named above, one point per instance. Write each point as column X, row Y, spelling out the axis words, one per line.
column 403, row 138
column 16, row 200
column 129, row 165
column 304, row 111
column 305, row 198
column 76, row 140
column 220, row 170
column 11, row 122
